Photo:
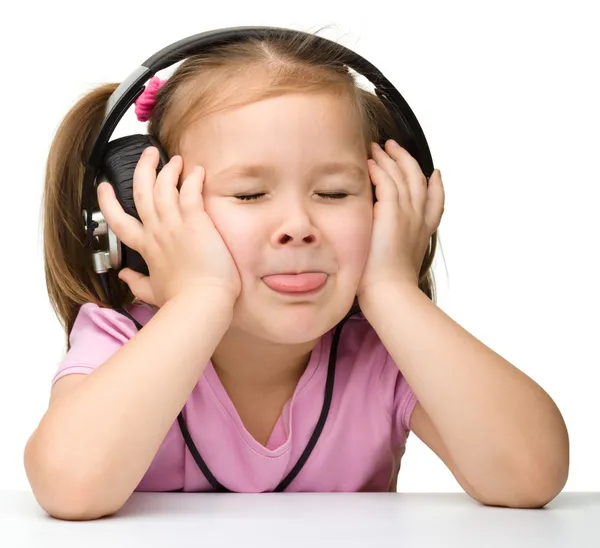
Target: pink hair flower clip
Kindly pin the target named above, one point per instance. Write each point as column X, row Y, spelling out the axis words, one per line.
column 145, row 102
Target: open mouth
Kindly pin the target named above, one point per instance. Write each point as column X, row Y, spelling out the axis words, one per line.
column 300, row 285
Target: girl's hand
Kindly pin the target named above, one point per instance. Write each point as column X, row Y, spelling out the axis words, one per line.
column 407, row 212
column 176, row 238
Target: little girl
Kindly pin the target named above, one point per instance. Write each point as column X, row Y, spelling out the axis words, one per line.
column 276, row 222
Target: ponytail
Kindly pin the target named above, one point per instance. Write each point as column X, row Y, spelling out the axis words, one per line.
column 70, row 278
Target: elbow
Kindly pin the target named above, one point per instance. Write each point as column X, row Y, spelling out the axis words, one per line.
column 545, row 476
column 533, row 488
column 74, row 504
column 544, row 485
column 70, row 505
column 521, row 498
column 61, row 493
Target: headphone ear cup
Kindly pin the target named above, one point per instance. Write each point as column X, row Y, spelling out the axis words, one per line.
column 118, row 166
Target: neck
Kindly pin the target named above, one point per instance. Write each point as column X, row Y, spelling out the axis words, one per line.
column 242, row 359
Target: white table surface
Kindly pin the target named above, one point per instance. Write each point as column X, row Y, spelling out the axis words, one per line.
column 366, row 520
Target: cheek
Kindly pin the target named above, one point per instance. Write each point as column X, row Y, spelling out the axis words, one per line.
column 236, row 232
column 349, row 233
column 353, row 241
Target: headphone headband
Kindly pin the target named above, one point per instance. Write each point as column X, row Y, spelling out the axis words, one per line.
column 413, row 138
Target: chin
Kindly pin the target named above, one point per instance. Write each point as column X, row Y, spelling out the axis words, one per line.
column 290, row 327
column 291, row 324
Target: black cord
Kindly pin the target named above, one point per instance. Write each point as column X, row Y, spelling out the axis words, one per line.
column 106, row 287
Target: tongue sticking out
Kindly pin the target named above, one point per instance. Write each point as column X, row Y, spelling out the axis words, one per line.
column 296, row 283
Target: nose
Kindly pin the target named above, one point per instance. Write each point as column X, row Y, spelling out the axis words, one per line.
column 296, row 228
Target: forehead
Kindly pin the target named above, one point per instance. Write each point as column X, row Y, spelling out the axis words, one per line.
column 348, row 168
column 314, row 124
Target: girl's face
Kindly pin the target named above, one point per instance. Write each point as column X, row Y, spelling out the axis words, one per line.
column 288, row 225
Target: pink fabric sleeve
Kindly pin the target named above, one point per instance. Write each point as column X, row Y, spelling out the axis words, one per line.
column 96, row 335
column 404, row 404
column 399, row 400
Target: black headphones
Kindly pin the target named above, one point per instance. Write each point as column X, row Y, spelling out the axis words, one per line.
column 115, row 163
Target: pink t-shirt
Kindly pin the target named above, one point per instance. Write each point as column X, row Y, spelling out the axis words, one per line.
column 360, row 447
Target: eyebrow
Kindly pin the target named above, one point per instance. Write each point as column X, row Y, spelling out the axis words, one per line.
column 328, row 168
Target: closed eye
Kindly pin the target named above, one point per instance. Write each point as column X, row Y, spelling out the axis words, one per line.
column 250, row 197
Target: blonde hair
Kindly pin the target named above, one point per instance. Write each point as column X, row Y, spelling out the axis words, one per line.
column 202, row 84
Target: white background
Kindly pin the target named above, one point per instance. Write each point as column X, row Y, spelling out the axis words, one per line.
column 507, row 94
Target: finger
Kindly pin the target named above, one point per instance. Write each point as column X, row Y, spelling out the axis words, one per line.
column 435, row 201
column 139, row 284
column 413, row 175
column 386, row 189
column 394, row 172
column 144, row 178
column 191, row 203
column 416, row 180
column 166, row 195
column 126, row 227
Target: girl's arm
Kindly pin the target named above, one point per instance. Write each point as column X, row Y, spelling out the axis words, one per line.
column 499, row 433
column 97, row 440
